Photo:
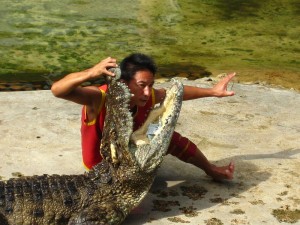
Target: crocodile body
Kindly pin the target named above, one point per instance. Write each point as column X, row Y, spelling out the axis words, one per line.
column 107, row 193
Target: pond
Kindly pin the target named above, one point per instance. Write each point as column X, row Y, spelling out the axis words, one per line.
column 46, row 39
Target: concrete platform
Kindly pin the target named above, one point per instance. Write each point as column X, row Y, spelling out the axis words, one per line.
column 258, row 129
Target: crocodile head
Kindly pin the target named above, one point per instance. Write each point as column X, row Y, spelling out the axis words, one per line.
column 140, row 149
column 130, row 159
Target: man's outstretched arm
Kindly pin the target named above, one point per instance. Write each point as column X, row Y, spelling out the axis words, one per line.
column 69, row 86
column 192, row 92
column 219, row 90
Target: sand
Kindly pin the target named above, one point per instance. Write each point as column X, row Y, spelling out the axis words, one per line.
column 258, row 129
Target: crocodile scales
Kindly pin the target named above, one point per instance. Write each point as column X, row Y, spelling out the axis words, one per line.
column 107, row 193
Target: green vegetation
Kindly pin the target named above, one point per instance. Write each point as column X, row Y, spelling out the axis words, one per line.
column 196, row 37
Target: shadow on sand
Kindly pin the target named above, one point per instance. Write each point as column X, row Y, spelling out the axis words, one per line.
column 182, row 189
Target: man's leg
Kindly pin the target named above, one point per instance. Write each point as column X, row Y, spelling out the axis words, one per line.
column 216, row 172
column 187, row 151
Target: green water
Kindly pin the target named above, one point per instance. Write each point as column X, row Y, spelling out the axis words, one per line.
column 42, row 39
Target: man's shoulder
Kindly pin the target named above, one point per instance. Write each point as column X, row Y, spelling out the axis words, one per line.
column 159, row 94
column 103, row 87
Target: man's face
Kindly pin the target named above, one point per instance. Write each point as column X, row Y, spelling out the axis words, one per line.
column 141, row 87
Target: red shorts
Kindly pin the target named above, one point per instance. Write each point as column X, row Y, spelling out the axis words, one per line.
column 181, row 147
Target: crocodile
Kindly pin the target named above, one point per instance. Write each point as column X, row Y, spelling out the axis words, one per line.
column 110, row 190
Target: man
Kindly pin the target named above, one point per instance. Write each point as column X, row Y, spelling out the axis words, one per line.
column 137, row 71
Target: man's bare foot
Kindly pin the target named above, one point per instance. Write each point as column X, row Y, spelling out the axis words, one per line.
column 219, row 173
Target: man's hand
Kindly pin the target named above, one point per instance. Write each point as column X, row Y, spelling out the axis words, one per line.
column 220, row 89
column 102, row 68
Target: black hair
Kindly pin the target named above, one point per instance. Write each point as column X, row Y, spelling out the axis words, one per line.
column 134, row 63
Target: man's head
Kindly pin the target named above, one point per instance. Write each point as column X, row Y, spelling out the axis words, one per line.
column 137, row 71
column 136, row 62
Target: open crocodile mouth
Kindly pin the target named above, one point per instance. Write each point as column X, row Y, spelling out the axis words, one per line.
column 160, row 117
column 153, row 138
column 146, row 146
